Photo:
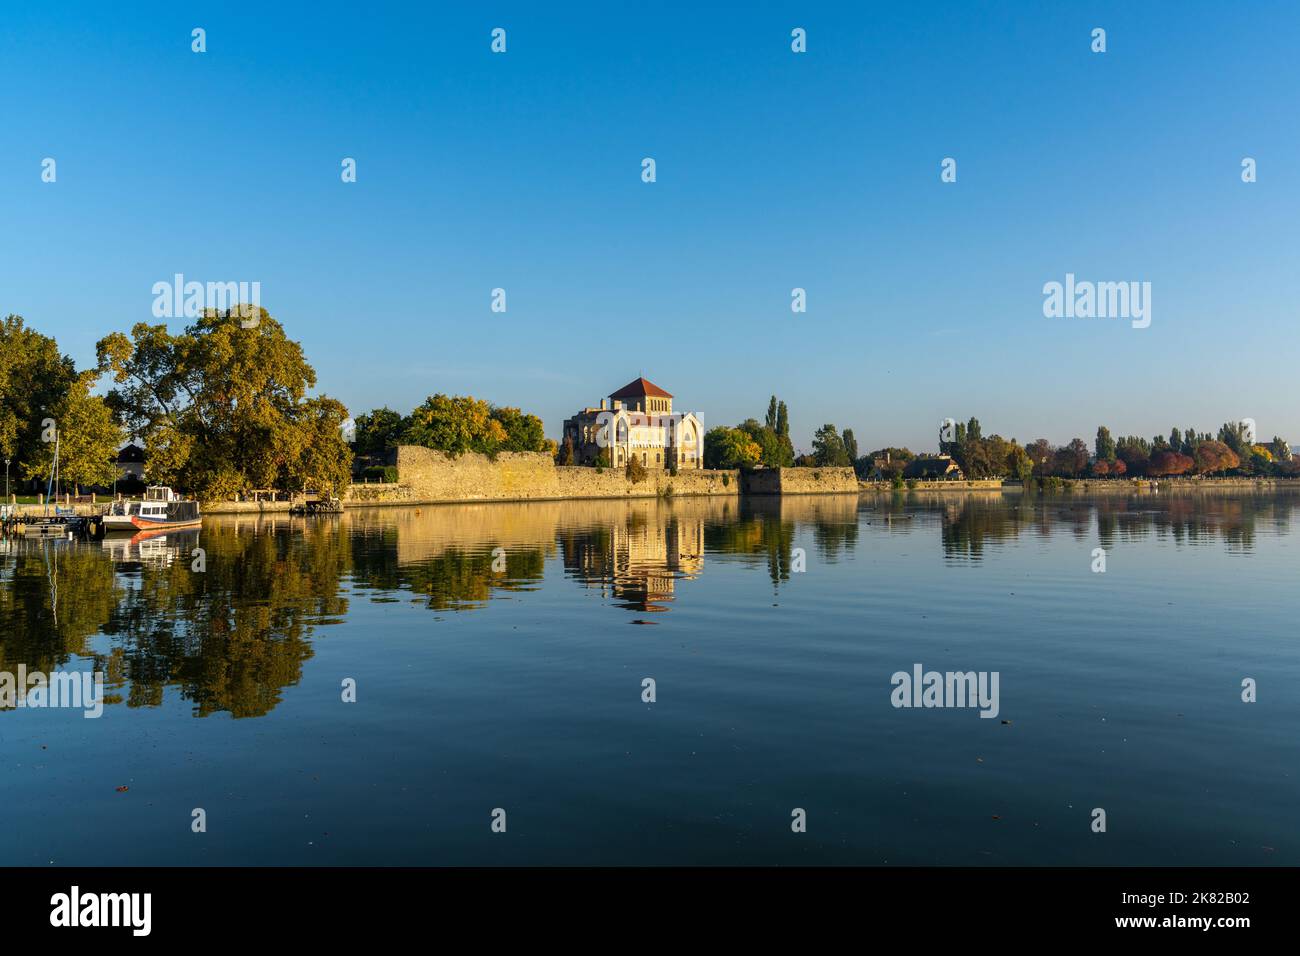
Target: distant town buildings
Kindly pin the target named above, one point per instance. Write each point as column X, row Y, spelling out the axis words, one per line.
column 637, row 421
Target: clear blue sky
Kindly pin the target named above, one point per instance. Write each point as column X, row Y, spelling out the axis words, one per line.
column 775, row 170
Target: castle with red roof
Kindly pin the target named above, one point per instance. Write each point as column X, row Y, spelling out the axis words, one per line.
column 636, row 422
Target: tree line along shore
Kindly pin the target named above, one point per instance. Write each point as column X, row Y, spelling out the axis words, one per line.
column 228, row 406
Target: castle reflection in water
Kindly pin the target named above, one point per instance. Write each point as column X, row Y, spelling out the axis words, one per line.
column 637, row 563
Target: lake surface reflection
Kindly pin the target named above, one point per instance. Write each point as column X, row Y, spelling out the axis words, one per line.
column 495, row 666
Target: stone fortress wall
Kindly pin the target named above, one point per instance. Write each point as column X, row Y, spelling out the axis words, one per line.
column 800, row 481
column 426, row 475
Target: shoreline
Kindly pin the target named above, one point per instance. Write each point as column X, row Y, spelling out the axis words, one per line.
column 391, row 496
column 1075, row 487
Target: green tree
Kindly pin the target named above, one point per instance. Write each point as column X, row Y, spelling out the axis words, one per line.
column 34, row 380
column 1105, row 446
column 730, row 448
column 88, row 439
column 774, row 452
column 223, row 406
column 378, row 430
column 850, row 445
column 778, row 421
column 314, row 458
column 455, row 424
column 1018, row 463
column 523, row 432
column 1233, row 434
column 828, row 447
column 997, row 452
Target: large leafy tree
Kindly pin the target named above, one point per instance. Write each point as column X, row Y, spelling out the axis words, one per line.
column 523, row 432
column 776, row 452
column 34, row 381
column 378, row 430
column 223, row 406
column 1071, row 461
column 455, row 424
column 315, row 455
column 1233, row 434
column 997, row 452
column 1018, row 463
column 1040, row 453
column 1213, row 456
column 730, row 448
column 828, row 447
column 974, row 454
column 1134, row 451
column 88, row 438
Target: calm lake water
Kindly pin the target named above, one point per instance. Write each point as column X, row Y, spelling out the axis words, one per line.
column 521, row 689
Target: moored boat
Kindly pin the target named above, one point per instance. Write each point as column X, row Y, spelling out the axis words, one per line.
column 161, row 508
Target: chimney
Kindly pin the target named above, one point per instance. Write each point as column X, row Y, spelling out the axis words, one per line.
column 602, row 403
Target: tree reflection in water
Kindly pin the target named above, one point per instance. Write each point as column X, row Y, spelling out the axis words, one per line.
column 232, row 637
column 974, row 522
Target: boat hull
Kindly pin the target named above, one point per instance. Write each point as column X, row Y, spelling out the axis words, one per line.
column 162, row 524
column 134, row 525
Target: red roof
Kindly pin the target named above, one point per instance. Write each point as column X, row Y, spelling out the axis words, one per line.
column 639, row 387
